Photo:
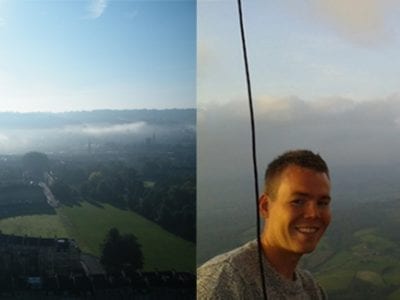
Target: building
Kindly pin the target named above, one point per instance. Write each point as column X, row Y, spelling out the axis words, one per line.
column 35, row 256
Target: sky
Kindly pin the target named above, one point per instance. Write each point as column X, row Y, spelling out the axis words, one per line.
column 97, row 54
column 325, row 76
column 309, row 49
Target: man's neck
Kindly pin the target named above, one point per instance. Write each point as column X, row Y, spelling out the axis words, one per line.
column 283, row 262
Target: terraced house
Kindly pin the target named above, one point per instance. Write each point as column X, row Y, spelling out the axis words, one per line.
column 32, row 256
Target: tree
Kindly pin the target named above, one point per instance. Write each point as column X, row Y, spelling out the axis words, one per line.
column 64, row 193
column 119, row 251
column 36, row 163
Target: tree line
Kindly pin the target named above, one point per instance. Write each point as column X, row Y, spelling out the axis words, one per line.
column 158, row 191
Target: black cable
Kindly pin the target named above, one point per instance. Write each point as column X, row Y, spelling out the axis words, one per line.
column 253, row 139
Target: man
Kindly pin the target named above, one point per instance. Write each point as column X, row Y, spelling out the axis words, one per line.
column 296, row 208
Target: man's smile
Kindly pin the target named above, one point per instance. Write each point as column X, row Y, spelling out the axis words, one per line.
column 307, row 229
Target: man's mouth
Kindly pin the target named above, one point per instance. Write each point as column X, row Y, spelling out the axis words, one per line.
column 307, row 229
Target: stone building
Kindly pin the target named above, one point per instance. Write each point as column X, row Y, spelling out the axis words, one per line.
column 33, row 256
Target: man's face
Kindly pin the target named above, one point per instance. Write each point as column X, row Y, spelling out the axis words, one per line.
column 300, row 212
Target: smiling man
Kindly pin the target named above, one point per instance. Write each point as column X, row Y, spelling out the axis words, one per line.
column 296, row 208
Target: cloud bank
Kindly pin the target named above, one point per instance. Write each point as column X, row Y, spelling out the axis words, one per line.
column 72, row 137
column 342, row 130
column 98, row 130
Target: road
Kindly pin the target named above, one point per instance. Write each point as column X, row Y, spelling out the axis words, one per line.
column 51, row 200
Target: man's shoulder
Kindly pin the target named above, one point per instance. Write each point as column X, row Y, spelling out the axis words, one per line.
column 306, row 277
column 231, row 259
column 226, row 275
column 310, row 284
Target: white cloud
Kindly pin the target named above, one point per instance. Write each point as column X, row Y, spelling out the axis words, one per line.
column 107, row 129
column 345, row 130
column 96, row 8
column 362, row 21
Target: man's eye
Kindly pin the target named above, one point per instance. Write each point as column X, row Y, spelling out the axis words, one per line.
column 323, row 203
column 297, row 202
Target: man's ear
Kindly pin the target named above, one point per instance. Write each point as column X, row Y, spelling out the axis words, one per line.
column 263, row 204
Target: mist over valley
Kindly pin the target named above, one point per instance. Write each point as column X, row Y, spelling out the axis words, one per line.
column 72, row 132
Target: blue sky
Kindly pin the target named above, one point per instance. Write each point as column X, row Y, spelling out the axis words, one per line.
column 95, row 54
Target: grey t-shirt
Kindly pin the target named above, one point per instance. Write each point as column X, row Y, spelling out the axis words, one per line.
column 236, row 275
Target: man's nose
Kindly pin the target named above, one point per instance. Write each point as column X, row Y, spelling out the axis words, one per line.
column 311, row 210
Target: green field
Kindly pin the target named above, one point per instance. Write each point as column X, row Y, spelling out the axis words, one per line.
column 338, row 280
column 395, row 295
column 392, row 275
column 88, row 225
column 371, row 277
column 367, row 264
column 37, row 225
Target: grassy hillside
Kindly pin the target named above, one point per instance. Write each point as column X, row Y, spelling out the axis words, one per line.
column 363, row 260
column 368, row 267
column 37, row 225
column 88, row 225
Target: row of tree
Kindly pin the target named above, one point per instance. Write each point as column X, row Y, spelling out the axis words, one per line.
column 169, row 200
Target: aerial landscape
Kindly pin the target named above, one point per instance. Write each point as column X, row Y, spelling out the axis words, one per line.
column 140, row 182
column 97, row 149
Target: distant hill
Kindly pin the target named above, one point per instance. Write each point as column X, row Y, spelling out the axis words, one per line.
column 37, row 120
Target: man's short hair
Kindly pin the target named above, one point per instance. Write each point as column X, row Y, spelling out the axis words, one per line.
column 301, row 158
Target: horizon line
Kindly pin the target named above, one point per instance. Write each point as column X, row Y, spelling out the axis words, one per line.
column 90, row 110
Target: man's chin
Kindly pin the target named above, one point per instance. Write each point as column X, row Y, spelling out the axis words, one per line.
column 305, row 249
column 305, row 246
